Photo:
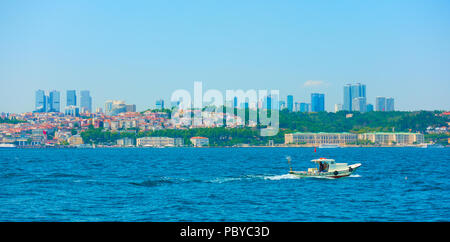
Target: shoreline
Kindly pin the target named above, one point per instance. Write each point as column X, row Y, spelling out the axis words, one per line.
column 206, row 147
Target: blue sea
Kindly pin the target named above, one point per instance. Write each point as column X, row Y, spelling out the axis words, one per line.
column 221, row 184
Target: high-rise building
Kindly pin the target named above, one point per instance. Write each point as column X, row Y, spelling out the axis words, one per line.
column 290, row 103
column 85, row 101
column 390, row 104
column 380, row 104
column 317, row 102
column 352, row 91
column 369, row 107
column 305, row 107
column 267, row 102
column 41, row 101
column 282, row 105
column 359, row 104
column 54, row 102
column 130, row 107
column 337, row 107
column 71, row 98
column 72, row 111
column 160, row 104
column 297, row 106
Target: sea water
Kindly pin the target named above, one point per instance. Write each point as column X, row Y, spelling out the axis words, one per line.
column 221, row 184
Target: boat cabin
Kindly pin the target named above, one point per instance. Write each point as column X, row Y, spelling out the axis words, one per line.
column 328, row 165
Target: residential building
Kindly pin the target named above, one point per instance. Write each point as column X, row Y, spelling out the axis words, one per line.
column 127, row 142
column 75, row 140
column 72, row 111
column 158, row 141
column 320, row 138
column 199, row 141
column 385, row 138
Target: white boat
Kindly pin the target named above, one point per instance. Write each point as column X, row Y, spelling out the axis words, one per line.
column 327, row 168
column 432, row 146
column 326, row 146
column 4, row 145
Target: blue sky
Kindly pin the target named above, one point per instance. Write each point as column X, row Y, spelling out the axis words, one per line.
column 140, row 51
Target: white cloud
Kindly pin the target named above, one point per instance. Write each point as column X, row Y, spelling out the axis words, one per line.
column 311, row 83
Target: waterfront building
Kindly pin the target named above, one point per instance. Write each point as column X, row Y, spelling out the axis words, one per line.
column 158, row 141
column 127, row 142
column 359, row 104
column 385, row 138
column 71, row 98
column 320, row 138
column 199, row 141
column 290, row 103
column 317, row 102
column 38, row 136
column 41, row 101
column 75, row 140
column 352, row 91
column 85, row 101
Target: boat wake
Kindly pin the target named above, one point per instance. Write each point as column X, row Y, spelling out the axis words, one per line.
column 168, row 180
column 281, row 177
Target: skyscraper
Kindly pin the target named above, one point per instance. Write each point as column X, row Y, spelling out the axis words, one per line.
column 352, row 91
column 41, row 101
column 305, row 107
column 317, row 102
column 290, row 103
column 359, row 104
column 380, row 104
column 389, row 104
column 160, row 104
column 71, row 98
column 54, row 102
column 85, row 101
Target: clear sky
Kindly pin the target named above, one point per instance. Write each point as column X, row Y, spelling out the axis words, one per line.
column 140, row 51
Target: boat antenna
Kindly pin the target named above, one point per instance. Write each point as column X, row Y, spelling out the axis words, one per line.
column 288, row 158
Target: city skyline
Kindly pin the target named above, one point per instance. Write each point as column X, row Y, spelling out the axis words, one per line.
column 145, row 51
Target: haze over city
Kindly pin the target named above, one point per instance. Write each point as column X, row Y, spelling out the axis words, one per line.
column 142, row 52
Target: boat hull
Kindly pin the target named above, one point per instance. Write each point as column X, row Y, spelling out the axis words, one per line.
column 332, row 174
